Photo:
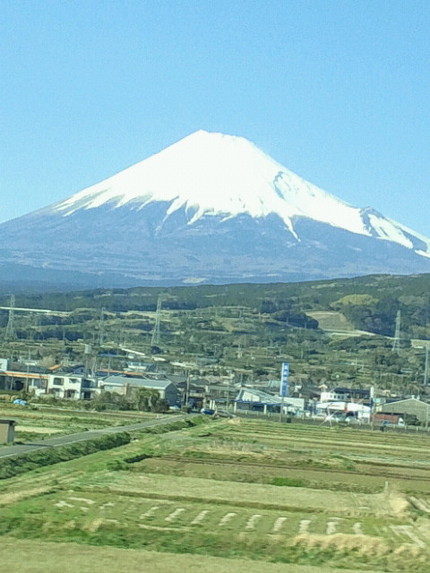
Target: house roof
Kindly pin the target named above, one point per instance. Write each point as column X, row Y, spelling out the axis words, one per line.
column 263, row 397
column 137, row 382
column 343, row 390
column 407, row 401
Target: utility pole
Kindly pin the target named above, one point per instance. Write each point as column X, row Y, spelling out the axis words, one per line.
column 87, row 358
column 155, row 339
column 101, row 326
column 426, row 366
column 281, row 410
column 188, row 388
column 396, row 341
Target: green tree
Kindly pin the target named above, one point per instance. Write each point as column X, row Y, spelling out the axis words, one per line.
column 147, row 400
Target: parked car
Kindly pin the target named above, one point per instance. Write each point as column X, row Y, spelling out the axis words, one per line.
column 207, row 411
column 20, row 402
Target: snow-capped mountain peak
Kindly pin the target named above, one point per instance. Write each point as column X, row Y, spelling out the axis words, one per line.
column 212, row 174
column 210, row 208
column 217, row 174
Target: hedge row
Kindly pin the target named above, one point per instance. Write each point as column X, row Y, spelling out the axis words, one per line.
column 177, row 425
column 10, row 467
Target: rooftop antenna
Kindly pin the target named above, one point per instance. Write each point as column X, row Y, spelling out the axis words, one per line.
column 396, row 341
column 10, row 333
column 155, row 339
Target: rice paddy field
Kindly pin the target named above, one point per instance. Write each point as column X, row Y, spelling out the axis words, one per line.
column 44, row 421
column 227, row 495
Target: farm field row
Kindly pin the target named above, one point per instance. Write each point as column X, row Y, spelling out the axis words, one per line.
column 253, row 495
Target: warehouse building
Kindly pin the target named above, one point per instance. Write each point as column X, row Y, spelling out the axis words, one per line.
column 125, row 385
column 407, row 409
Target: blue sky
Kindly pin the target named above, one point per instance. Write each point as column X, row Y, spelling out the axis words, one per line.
column 337, row 91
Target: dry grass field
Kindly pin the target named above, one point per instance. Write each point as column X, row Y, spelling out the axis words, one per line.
column 230, row 495
column 43, row 557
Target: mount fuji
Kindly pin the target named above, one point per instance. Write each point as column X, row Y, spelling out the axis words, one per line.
column 211, row 208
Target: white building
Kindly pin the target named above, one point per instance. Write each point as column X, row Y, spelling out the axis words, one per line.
column 252, row 398
column 71, row 386
column 346, row 395
column 360, row 411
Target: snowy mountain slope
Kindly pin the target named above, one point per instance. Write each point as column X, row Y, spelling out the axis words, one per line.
column 210, row 208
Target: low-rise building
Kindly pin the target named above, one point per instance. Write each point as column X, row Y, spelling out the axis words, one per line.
column 359, row 411
column 15, row 380
column 7, row 431
column 71, row 386
column 124, row 385
column 345, row 395
column 410, row 407
column 255, row 399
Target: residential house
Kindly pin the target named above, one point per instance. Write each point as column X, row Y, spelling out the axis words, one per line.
column 72, row 386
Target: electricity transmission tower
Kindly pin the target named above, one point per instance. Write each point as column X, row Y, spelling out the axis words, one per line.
column 155, row 339
column 396, row 341
column 10, row 333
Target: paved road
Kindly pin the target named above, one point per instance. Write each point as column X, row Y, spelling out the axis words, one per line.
column 17, row 449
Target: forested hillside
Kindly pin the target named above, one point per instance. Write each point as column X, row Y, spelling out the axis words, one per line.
column 369, row 303
column 333, row 332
